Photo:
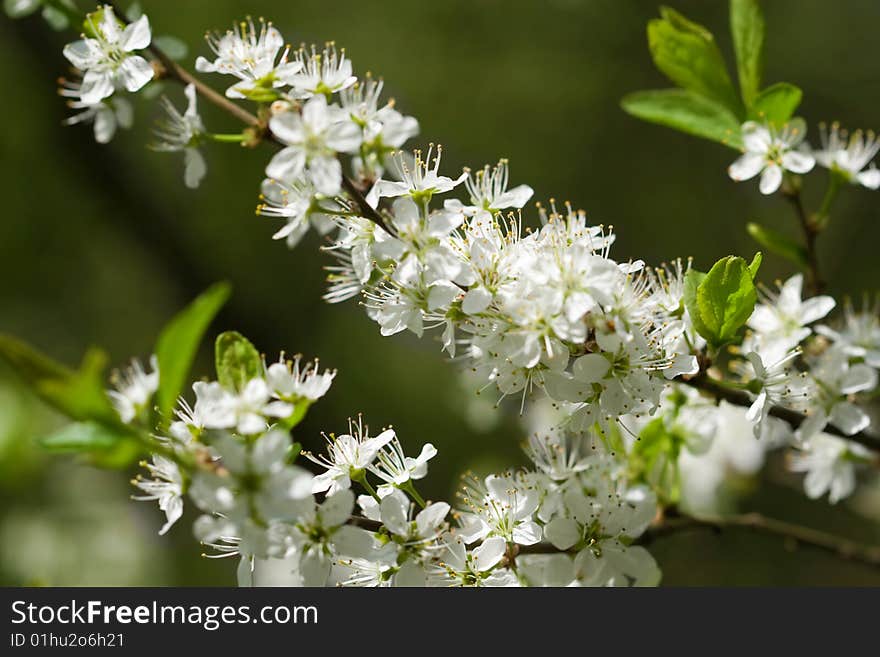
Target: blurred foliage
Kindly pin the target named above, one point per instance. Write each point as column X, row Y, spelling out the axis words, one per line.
column 103, row 244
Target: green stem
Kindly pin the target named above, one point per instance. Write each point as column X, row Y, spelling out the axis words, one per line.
column 361, row 478
column 835, row 182
column 236, row 138
column 411, row 489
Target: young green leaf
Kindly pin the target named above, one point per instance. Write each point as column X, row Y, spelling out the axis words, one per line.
column 20, row 8
column 78, row 394
column 692, row 280
column 755, row 265
column 725, row 299
column 237, row 360
column 747, row 28
column 687, row 112
column 179, row 341
column 779, row 244
column 777, row 103
column 688, row 55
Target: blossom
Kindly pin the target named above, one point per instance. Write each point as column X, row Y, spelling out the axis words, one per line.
column 106, row 115
column 347, row 457
column 475, row 567
column 859, row 337
column 835, row 380
column 770, row 152
column 246, row 410
column 394, row 468
column 830, row 464
column 503, row 507
column 292, row 383
column 312, row 140
column 252, row 57
column 780, row 323
column 107, row 58
column 489, row 193
column 420, row 180
column 849, row 155
column 773, row 383
column 182, row 133
column 135, row 388
column 166, row 486
column 324, row 73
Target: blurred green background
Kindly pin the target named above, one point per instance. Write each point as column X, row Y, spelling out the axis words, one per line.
column 102, row 244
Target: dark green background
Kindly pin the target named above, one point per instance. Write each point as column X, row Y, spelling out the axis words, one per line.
column 101, row 244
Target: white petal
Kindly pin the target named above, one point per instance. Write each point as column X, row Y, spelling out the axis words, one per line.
column 771, row 179
column 489, row 553
column 136, row 36
column 870, row 178
column 194, row 167
column 798, row 162
column 476, row 300
column 849, row 418
column 287, row 164
column 747, row 166
column 591, row 368
column 563, row 533
column 135, row 72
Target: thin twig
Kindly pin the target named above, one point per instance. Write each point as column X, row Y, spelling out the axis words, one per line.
column 815, row 283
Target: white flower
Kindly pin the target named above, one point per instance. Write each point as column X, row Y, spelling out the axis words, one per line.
column 292, row 383
column 313, row 139
column 830, row 464
column 182, row 133
column 859, row 337
column 253, row 491
column 781, row 321
column 347, row 457
column 835, row 379
column 245, row 411
column 134, row 389
column 474, row 568
column 297, row 203
column 489, row 193
column 166, row 486
column 769, row 152
column 107, row 115
column 250, row 56
column 107, row 60
column 610, row 563
column 393, row 467
column 420, row 180
column 850, row 156
column 774, row 383
column 323, row 73
column 502, row 507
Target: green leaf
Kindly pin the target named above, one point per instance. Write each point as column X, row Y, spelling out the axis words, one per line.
column 20, row 8
column 747, row 28
column 654, row 458
column 83, row 437
column 692, row 280
column 777, row 103
column 78, row 394
column 106, row 446
column 779, row 244
column 726, row 298
column 755, row 265
column 237, row 360
column 687, row 112
column 179, row 341
column 688, row 55
column 175, row 48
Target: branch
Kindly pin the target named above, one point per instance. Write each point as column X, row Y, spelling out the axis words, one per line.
column 794, row 418
column 814, row 538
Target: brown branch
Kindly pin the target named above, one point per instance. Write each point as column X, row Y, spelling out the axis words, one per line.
column 794, row 418
column 799, row 535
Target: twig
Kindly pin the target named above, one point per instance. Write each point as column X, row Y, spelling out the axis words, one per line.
column 811, row 231
column 839, row 547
